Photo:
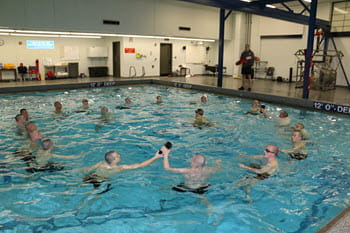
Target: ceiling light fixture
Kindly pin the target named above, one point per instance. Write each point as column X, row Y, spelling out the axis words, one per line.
column 74, row 36
column 36, row 35
column 14, row 32
column 270, row 6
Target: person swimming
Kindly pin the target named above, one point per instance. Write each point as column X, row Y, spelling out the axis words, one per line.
column 84, row 107
column 263, row 171
column 195, row 175
column 127, row 104
column 58, row 107
column 41, row 162
column 159, row 99
column 283, row 119
column 255, row 109
column 104, row 169
column 20, row 124
column 298, row 152
column 301, row 128
column 33, row 133
column 203, row 100
column 200, row 120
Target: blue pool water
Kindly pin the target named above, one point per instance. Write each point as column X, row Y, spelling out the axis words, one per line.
column 301, row 197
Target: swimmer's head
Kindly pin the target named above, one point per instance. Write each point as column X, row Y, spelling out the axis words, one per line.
column 199, row 111
column 30, row 127
column 198, row 160
column 296, row 136
column 204, row 99
column 283, row 114
column 47, row 144
column 159, row 99
column 104, row 110
column 127, row 100
column 24, row 112
column 298, row 126
column 58, row 105
column 271, row 150
column 112, row 157
column 85, row 102
column 19, row 118
column 256, row 103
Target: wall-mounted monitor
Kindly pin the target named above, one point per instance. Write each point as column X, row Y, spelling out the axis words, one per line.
column 40, row 44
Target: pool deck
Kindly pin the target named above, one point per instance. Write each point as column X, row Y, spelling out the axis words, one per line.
column 335, row 101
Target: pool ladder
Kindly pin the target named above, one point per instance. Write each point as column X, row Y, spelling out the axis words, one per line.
column 133, row 69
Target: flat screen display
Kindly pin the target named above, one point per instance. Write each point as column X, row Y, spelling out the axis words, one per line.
column 40, row 44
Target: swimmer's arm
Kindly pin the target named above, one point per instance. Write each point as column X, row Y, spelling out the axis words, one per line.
column 143, row 164
column 295, row 149
column 64, row 156
column 263, row 169
column 265, row 114
column 218, row 166
column 167, row 167
column 252, row 156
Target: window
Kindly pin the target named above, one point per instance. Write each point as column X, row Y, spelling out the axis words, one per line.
column 340, row 17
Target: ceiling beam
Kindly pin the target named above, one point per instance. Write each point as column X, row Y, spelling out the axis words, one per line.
column 258, row 8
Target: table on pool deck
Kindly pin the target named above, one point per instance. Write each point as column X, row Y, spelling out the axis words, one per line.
column 3, row 74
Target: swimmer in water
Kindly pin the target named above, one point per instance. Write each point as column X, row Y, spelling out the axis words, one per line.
column 104, row 169
column 256, row 108
column 200, row 120
column 159, row 99
column 106, row 117
column 20, row 124
column 24, row 113
column 301, row 128
column 299, row 151
column 58, row 107
column 283, row 119
column 41, row 161
column 84, row 106
column 203, row 100
column 127, row 104
column 263, row 171
column 195, row 176
column 33, row 132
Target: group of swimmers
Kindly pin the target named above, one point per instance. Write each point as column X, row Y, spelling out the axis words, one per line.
column 195, row 175
column 299, row 137
column 40, row 159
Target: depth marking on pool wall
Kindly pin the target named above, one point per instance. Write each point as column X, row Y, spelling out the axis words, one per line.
column 332, row 107
column 183, row 85
column 103, row 84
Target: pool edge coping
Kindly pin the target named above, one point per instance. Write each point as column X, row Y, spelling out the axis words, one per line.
column 335, row 221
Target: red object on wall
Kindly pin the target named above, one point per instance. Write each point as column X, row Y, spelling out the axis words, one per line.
column 129, row 50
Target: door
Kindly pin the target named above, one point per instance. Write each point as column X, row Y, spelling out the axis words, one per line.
column 165, row 65
column 116, row 59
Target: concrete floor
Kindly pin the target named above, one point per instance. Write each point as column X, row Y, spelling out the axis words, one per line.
column 274, row 89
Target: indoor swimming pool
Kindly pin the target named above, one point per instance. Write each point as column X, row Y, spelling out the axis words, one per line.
column 301, row 196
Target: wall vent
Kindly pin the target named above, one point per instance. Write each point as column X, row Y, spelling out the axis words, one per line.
column 111, row 22
column 184, row 28
column 282, row 37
